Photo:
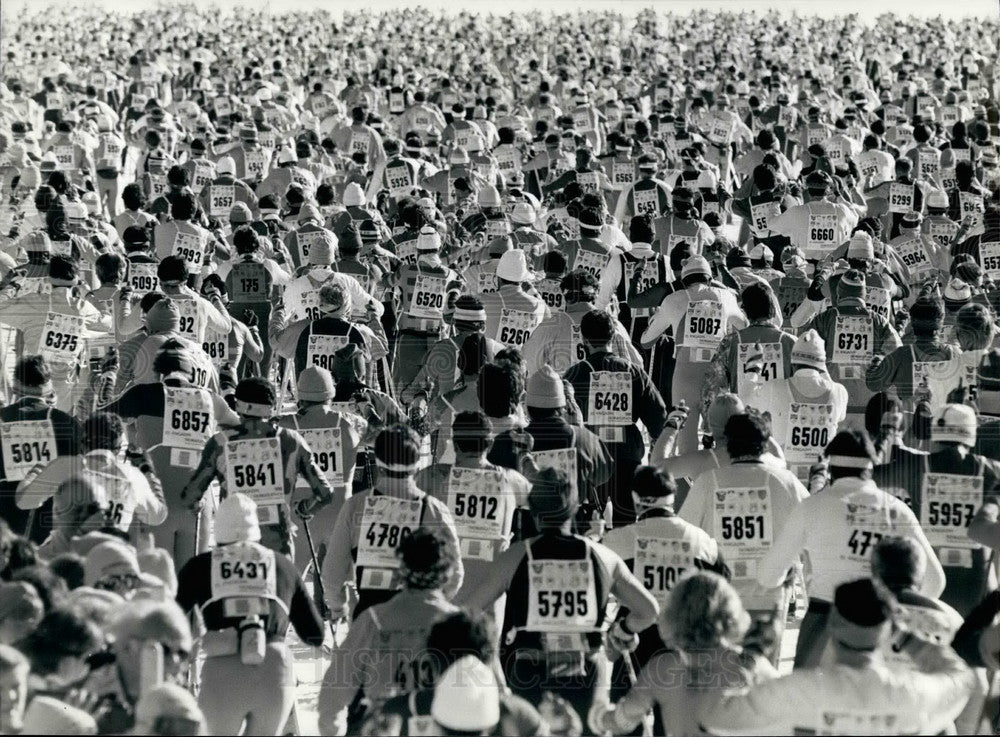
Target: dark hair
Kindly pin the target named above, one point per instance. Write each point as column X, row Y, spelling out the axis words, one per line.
column 32, row 371
column 747, row 435
column 63, row 268
column 109, row 267
column 757, row 302
column 500, row 389
column 850, row 442
column 149, row 299
column 50, row 588
column 177, row 176
column 427, row 558
column 650, row 481
column 597, row 327
column 246, row 240
column 183, row 206
column 458, row 635
column 70, row 568
column 172, row 269
column 103, row 431
column 132, row 196
column 471, row 431
column 63, row 631
column 898, row 562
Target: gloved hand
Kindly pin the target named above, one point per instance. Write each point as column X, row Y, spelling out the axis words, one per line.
column 304, row 509
column 250, row 318
column 600, row 718
column 621, row 640
column 678, row 415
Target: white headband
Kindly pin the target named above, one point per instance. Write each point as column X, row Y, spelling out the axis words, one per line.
column 850, row 462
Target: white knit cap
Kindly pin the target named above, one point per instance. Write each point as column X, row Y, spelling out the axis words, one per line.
column 809, row 350
column 429, row 239
column 354, row 196
column 236, row 520
column 467, row 697
column 955, row 423
column 226, row 165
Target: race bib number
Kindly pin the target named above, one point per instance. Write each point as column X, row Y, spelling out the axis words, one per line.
column 320, row 349
column 743, row 520
column 256, row 165
column 385, row 521
column 476, row 501
column 142, row 278
column 929, row 163
column 703, row 326
column 581, row 121
column 810, row 429
column 759, row 363
column 942, row 232
column 25, row 445
column 760, row 217
column 990, row 254
column 563, row 460
column 623, row 174
column 64, row 157
column 191, row 249
column 587, row 180
column 648, row 279
column 216, row 347
column 250, row 283
column 190, row 324
column 508, row 161
column 244, row 570
column 222, row 197
column 188, row 418
column 852, row 340
column 949, row 504
column 396, row 103
column 647, row 201
column 427, row 301
column 157, row 185
column 900, row 197
column 486, row 282
column 223, row 106
column 255, row 468
column 562, row 596
column 515, row 327
column 307, row 240
column 822, row 233
column 815, row 135
column 360, row 143
column 913, row 255
column 398, row 179
column 971, row 205
column 720, row 130
column 590, row 261
column 62, row 337
column 948, row 179
column 880, row 302
column 497, row 228
column 658, row 563
column 610, row 401
column 327, row 446
column 203, row 175
column 551, row 293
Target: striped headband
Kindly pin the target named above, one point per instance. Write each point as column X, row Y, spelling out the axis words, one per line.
column 395, row 467
column 252, row 409
column 466, row 315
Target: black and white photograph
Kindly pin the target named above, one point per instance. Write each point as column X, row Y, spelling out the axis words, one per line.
column 543, row 368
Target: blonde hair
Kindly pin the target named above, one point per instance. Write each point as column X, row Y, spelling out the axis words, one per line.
column 703, row 611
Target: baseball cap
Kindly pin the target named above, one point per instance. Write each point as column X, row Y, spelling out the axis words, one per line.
column 955, row 423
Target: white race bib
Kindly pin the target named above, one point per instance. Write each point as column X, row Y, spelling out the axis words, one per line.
column 142, row 278
column 188, row 418
column 320, row 349
column 244, row 570
column 191, row 248
column 327, row 446
column 477, row 503
column 562, row 596
column 765, row 361
column 384, row 522
column 853, row 340
column 255, row 468
column 515, row 327
column 659, row 562
column 26, row 444
column 221, row 198
column 950, row 501
column 427, row 301
column 703, row 325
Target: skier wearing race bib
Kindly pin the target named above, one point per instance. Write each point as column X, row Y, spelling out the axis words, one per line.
column 745, row 505
column 838, row 529
column 32, row 431
column 700, row 315
column 821, row 224
column 557, row 586
column 264, row 461
column 314, row 341
column 512, row 314
column 561, row 441
column 853, row 335
column 756, row 354
column 384, row 653
column 174, row 418
column 247, row 597
column 613, row 395
column 361, row 549
column 219, row 196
